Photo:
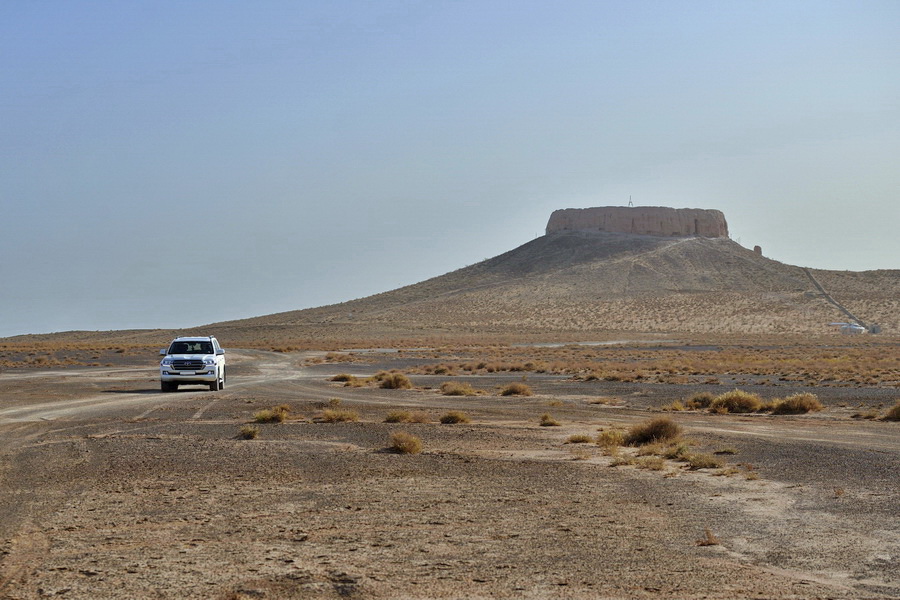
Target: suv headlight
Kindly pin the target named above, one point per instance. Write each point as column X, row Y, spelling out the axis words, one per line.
column 166, row 362
column 209, row 361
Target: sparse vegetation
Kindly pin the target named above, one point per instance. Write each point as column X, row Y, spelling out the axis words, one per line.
column 893, row 414
column 736, row 401
column 249, row 432
column 611, row 438
column 579, row 438
column 276, row 414
column 339, row 415
column 708, row 539
column 454, row 388
column 548, row 421
column 395, row 381
column 797, row 404
column 345, row 377
column 656, row 430
column 455, row 416
column 405, row 443
column 516, row 389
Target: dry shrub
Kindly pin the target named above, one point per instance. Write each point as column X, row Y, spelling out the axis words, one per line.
column 736, row 401
column 453, row 388
column 700, row 400
column 708, row 539
column 276, row 414
column 405, row 443
column 397, row 416
column 548, row 421
column 798, row 404
column 418, row 416
column 339, row 415
column 343, row 377
column 654, row 463
column 455, row 416
column 249, row 432
column 893, row 414
column 395, row 381
column 700, row 460
column 611, row 438
column 579, row 438
column 516, row 389
column 660, row 429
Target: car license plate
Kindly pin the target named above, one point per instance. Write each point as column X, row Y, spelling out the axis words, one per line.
column 187, row 373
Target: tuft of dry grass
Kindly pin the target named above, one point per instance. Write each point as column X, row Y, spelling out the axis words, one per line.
column 516, row 389
column 708, row 539
column 339, row 415
column 249, row 432
column 455, row 388
column 397, row 416
column 455, row 416
column 276, row 414
column 700, row 400
column 611, row 438
column 579, row 438
column 548, row 421
column 346, row 377
column 660, row 429
column 699, row 460
column 736, row 401
column 893, row 414
column 798, row 404
column 405, row 443
column 395, row 381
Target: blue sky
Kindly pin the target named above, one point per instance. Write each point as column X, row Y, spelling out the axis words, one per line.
column 170, row 164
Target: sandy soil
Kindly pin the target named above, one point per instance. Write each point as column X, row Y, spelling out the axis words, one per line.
column 110, row 489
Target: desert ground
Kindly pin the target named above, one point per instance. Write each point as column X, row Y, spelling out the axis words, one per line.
column 112, row 489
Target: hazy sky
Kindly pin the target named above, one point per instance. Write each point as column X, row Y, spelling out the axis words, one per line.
column 169, row 164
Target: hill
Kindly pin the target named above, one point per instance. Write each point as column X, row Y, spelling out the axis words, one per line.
column 580, row 282
column 586, row 285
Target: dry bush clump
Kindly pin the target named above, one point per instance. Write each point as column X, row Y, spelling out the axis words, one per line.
column 893, row 413
column 516, row 389
column 548, row 421
column 736, row 401
column 454, row 388
column 611, row 438
column 708, row 539
column 455, row 416
column 405, row 443
column 345, row 377
column 394, row 381
column 655, row 430
column 249, row 432
column 700, row 460
column 397, row 416
column 798, row 404
column 276, row 414
column 579, row 438
column 339, row 415
column 700, row 400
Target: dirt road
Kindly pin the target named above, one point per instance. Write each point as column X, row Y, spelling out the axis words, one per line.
column 112, row 489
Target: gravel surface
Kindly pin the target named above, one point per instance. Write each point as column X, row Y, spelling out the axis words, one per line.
column 110, row 489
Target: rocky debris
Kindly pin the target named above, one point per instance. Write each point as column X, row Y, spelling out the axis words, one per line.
column 641, row 220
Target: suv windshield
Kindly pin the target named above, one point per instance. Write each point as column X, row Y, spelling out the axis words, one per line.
column 191, row 348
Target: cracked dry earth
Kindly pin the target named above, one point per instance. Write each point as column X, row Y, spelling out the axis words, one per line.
column 113, row 490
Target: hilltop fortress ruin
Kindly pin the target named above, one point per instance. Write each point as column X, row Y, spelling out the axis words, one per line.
column 641, row 220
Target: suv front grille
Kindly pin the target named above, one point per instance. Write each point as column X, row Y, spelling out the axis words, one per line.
column 187, row 365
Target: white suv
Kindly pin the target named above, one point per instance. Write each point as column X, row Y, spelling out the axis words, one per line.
column 191, row 361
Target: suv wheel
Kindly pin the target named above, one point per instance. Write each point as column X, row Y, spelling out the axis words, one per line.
column 216, row 385
column 167, row 386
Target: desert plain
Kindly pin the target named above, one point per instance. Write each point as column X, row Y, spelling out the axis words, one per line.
column 111, row 489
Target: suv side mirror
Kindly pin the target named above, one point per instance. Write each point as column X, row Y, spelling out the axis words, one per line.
column 162, row 352
column 220, row 352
